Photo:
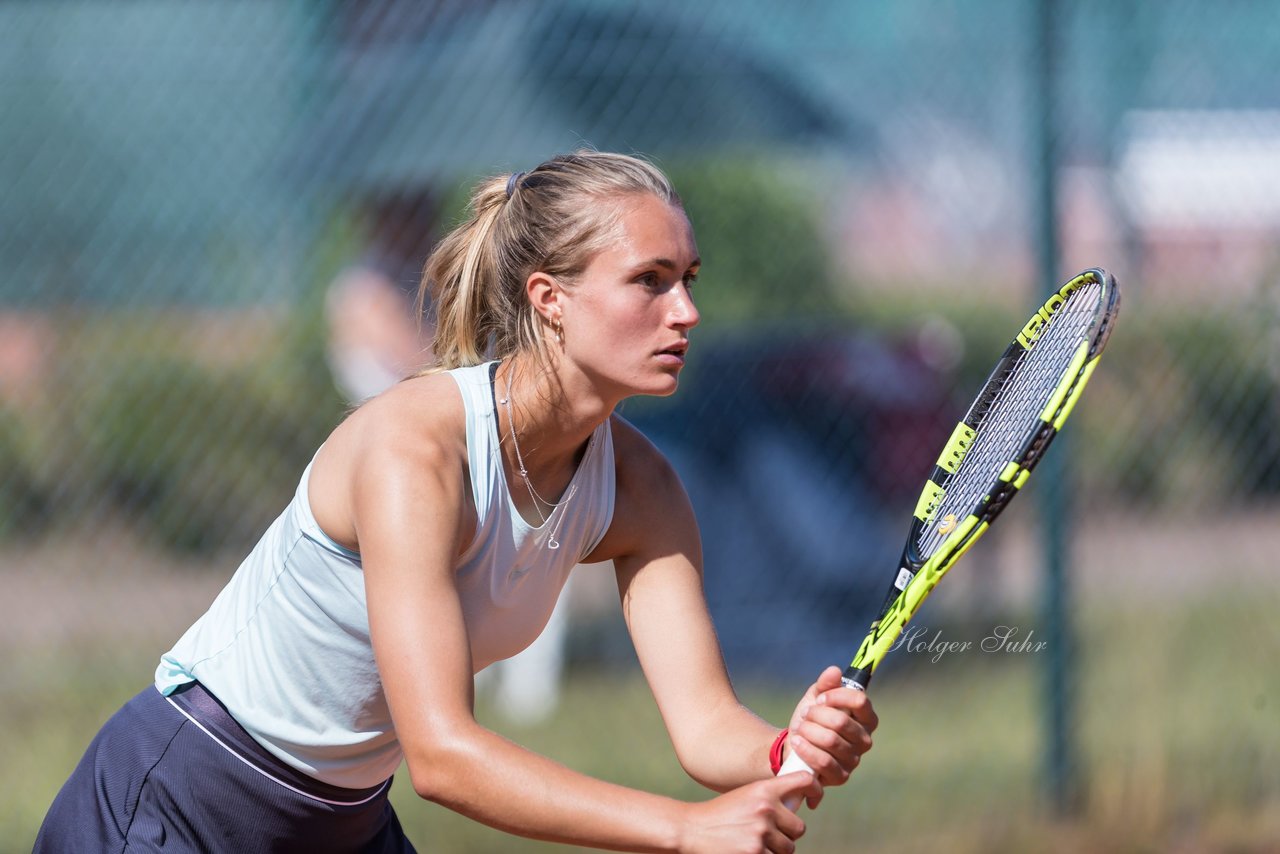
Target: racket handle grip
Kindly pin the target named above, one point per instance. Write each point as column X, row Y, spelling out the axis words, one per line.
column 792, row 764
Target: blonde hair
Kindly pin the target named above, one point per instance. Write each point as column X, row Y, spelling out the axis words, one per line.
column 552, row 220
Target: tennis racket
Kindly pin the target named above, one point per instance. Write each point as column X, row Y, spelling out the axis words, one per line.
column 992, row 452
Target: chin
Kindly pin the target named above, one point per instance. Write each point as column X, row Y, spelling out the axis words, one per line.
column 644, row 382
column 653, row 387
column 665, row 387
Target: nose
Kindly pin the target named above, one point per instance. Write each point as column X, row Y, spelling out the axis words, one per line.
column 683, row 314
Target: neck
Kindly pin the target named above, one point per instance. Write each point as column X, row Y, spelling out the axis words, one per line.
column 554, row 416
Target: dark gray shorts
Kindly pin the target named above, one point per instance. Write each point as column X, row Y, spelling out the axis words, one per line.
column 184, row 776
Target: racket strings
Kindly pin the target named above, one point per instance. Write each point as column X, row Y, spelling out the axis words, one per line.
column 1013, row 404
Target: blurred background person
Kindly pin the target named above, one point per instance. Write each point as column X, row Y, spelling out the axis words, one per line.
column 376, row 336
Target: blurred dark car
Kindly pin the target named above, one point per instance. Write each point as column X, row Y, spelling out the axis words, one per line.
column 803, row 456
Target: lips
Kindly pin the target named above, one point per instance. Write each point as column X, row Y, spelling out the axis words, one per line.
column 677, row 349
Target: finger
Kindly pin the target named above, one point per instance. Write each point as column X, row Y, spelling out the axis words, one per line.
column 786, row 820
column 776, row 842
column 831, row 757
column 794, row 789
column 829, row 679
column 790, row 786
column 813, row 796
column 813, row 800
column 852, row 701
column 840, row 724
column 790, row 798
column 829, row 769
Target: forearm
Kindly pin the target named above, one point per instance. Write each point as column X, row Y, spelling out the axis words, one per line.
column 489, row 779
column 729, row 749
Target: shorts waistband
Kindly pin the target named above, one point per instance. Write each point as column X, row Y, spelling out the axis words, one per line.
column 201, row 706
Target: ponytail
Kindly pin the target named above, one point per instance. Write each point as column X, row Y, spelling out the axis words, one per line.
column 456, row 276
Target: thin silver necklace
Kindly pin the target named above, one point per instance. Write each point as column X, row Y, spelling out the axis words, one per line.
column 523, row 471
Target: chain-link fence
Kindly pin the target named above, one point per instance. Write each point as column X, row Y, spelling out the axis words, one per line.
column 212, row 223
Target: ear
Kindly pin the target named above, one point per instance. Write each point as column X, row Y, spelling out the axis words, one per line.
column 545, row 295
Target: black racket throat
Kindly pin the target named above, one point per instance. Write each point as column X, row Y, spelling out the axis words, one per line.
column 857, row 678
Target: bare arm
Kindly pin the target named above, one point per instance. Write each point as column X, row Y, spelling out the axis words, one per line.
column 719, row 742
column 657, row 555
column 406, row 498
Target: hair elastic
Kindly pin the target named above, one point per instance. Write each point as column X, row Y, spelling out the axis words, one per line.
column 513, row 181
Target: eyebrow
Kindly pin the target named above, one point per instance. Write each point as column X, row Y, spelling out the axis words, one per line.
column 671, row 265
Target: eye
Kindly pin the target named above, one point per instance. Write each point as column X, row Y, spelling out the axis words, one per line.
column 689, row 279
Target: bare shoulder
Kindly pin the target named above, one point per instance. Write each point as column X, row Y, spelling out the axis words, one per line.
column 650, row 500
column 411, row 436
column 640, row 466
column 427, row 408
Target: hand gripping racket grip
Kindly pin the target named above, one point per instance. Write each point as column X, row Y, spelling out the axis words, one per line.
column 795, row 763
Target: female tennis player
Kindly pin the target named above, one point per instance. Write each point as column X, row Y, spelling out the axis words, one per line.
column 429, row 537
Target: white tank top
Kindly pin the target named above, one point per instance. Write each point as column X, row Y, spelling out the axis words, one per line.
column 285, row 646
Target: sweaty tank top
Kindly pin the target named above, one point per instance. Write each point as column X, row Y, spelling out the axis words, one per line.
column 285, row 645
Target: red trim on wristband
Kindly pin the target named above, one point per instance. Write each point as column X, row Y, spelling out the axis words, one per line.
column 775, row 752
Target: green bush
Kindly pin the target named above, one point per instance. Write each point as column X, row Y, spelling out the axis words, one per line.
column 1183, row 411
column 23, row 502
column 761, row 236
column 1232, row 392
column 204, row 458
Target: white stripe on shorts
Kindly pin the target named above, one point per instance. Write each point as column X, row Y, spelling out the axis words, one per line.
column 381, row 789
